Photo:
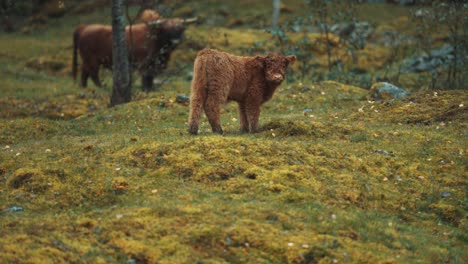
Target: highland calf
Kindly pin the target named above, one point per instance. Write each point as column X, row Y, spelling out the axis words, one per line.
column 220, row 77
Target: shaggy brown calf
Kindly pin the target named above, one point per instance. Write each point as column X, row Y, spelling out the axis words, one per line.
column 150, row 49
column 220, row 77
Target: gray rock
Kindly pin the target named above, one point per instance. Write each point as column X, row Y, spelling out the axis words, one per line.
column 182, row 98
column 356, row 33
column 384, row 152
column 305, row 89
column 392, row 38
column 384, row 91
column 12, row 209
column 445, row 194
column 440, row 57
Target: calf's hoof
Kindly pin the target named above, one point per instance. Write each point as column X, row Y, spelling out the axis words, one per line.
column 193, row 131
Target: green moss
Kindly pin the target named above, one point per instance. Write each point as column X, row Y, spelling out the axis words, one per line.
column 30, row 180
column 332, row 177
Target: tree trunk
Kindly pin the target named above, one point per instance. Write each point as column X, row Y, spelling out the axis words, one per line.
column 276, row 12
column 121, row 90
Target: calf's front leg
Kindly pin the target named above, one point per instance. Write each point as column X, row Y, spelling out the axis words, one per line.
column 252, row 110
column 244, row 125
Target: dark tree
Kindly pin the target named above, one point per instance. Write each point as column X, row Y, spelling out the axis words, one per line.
column 121, row 90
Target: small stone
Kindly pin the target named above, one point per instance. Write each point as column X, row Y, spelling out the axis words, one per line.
column 92, row 107
column 154, row 191
column 445, row 194
column 306, row 111
column 118, row 216
column 48, row 150
column 305, row 89
column 385, row 179
column 182, row 98
column 305, row 246
column 383, row 152
column 12, row 209
column 290, row 244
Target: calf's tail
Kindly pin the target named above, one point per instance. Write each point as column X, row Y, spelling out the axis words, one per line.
column 198, row 94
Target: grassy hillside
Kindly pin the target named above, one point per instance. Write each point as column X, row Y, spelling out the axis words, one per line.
column 332, row 177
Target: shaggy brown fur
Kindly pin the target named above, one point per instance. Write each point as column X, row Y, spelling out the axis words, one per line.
column 151, row 47
column 220, row 77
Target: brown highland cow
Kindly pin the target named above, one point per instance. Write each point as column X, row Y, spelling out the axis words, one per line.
column 220, row 77
column 152, row 44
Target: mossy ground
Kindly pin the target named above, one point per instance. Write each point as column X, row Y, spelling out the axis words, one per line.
column 332, row 177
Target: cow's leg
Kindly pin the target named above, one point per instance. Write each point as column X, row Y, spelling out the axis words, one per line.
column 95, row 76
column 244, row 125
column 252, row 109
column 213, row 111
column 147, row 81
column 84, row 76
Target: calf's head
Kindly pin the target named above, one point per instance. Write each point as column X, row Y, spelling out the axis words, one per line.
column 275, row 65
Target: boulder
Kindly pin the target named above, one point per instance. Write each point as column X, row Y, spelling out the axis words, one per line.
column 439, row 57
column 356, row 33
column 385, row 91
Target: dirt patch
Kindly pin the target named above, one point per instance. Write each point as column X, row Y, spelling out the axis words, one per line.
column 29, row 179
column 47, row 64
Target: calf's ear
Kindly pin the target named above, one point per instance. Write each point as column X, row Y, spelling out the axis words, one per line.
column 260, row 59
column 291, row 59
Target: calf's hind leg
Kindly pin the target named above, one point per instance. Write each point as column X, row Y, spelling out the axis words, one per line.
column 213, row 111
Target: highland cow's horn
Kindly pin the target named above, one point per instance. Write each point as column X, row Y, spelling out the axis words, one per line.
column 190, row 20
column 156, row 22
